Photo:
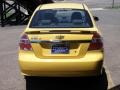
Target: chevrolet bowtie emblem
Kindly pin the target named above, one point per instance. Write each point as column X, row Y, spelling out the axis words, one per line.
column 59, row 37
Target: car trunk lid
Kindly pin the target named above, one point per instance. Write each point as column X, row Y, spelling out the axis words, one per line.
column 60, row 44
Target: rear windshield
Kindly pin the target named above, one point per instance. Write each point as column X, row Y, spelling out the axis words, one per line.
column 61, row 18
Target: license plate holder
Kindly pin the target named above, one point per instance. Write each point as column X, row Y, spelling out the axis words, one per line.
column 60, row 48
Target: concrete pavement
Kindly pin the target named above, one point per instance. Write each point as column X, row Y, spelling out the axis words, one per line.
column 10, row 78
column 95, row 3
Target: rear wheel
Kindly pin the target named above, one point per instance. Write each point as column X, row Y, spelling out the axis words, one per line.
column 101, row 81
column 27, row 77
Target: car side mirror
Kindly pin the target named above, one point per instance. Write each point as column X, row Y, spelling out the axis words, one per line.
column 96, row 18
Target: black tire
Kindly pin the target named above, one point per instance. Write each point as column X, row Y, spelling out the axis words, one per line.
column 101, row 81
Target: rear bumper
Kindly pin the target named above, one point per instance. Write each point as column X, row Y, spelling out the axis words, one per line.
column 61, row 74
column 90, row 65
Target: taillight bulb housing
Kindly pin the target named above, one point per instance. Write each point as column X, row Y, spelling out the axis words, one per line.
column 25, row 43
column 96, row 43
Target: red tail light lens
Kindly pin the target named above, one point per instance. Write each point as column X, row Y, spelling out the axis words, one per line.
column 25, row 43
column 96, row 43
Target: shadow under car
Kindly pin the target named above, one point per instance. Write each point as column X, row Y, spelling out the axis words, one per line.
column 68, row 83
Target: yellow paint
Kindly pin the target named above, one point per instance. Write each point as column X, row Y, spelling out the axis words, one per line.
column 79, row 61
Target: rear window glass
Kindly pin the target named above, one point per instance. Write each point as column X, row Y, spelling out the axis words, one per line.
column 61, row 18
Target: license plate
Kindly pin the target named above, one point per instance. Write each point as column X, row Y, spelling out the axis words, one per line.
column 60, row 49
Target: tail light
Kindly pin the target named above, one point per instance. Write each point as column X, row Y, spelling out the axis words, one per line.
column 96, row 43
column 25, row 43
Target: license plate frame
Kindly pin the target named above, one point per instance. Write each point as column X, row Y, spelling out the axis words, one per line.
column 60, row 48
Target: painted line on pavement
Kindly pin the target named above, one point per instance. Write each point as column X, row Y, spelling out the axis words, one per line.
column 109, row 77
column 97, row 9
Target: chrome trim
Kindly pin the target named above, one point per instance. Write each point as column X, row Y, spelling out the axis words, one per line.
column 60, row 41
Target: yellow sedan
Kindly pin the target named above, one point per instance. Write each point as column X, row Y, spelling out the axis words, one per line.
column 61, row 40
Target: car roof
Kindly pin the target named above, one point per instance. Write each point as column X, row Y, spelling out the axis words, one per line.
column 62, row 5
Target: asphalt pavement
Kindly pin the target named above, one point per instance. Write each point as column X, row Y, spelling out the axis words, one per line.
column 95, row 3
column 110, row 27
column 11, row 79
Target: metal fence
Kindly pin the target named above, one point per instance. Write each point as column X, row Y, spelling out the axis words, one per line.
column 13, row 12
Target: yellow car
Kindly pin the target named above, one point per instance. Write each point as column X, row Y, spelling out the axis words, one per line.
column 61, row 40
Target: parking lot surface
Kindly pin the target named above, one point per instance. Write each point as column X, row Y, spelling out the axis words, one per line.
column 10, row 78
